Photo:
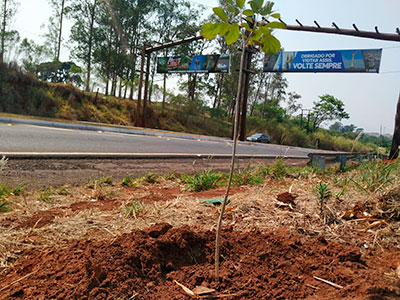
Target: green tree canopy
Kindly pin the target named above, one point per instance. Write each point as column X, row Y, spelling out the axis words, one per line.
column 328, row 108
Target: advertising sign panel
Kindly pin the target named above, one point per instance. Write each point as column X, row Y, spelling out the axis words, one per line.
column 325, row 61
column 216, row 63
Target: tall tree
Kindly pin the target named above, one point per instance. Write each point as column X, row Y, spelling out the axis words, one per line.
column 84, row 13
column 54, row 26
column 8, row 8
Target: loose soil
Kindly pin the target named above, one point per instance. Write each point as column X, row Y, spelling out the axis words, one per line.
column 108, row 241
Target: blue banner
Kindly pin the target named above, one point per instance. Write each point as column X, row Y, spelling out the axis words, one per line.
column 360, row 61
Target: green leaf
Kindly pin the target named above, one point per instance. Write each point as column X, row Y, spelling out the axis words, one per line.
column 240, row 3
column 224, row 28
column 234, row 10
column 267, row 8
column 256, row 36
column 265, row 30
column 246, row 26
column 221, row 14
column 210, row 30
column 271, row 44
column 233, row 34
column 256, row 4
column 229, row 1
column 276, row 16
column 276, row 25
column 248, row 12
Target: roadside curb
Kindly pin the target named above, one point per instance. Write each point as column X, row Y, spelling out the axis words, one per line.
column 58, row 155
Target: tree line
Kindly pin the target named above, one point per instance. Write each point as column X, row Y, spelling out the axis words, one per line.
column 104, row 46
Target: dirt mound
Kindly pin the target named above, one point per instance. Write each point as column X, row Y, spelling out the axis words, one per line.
column 145, row 263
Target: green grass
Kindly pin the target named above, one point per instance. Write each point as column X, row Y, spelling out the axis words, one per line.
column 247, row 176
column 375, row 176
column 45, row 195
column 128, row 180
column 205, row 180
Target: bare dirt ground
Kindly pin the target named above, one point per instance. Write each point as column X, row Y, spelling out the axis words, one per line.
column 58, row 172
column 103, row 240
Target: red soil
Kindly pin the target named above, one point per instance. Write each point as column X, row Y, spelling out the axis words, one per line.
column 277, row 265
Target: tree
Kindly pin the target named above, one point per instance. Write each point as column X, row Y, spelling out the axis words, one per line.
column 8, row 8
column 255, row 32
column 328, row 108
column 32, row 55
column 292, row 105
column 54, row 35
column 84, row 12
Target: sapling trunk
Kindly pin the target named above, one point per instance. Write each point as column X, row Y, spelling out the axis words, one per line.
column 232, row 167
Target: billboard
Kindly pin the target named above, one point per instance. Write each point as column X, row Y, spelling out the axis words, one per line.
column 361, row 61
column 216, row 63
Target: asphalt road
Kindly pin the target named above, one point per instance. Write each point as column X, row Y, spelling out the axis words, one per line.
column 20, row 138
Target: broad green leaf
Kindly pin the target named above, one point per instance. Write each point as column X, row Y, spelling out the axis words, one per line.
column 248, row 12
column 271, row 44
column 221, row 14
column 224, row 28
column 276, row 25
column 240, row 3
column 246, row 26
column 256, row 5
column 234, row 10
column 210, row 30
column 233, row 34
column 256, row 36
column 276, row 16
column 267, row 8
column 265, row 30
column 229, row 1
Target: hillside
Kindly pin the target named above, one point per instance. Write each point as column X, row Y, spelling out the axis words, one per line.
column 21, row 93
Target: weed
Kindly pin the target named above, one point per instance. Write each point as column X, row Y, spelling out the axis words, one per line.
column 4, row 191
column 19, row 189
column 3, row 206
column 128, row 180
column 247, row 176
column 374, row 176
column 324, row 194
column 134, row 208
column 170, row 176
column 106, row 180
column 45, row 195
column 278, row 169
column 150, row 178
column 62, row 191
column 343, row 184
column 204, row 181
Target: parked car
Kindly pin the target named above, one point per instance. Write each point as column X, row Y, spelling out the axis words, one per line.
column 259, row 137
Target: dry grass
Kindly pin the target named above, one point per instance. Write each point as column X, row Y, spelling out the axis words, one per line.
column 99, row 213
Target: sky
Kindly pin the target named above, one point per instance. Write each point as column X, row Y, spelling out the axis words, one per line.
column 370, row 99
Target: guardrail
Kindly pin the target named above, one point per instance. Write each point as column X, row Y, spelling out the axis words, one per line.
column 320, row 159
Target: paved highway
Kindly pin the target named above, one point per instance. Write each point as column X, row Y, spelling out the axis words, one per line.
column 20, row 138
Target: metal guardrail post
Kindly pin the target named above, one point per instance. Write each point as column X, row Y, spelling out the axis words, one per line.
column 318, row 161
column 342, row 159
